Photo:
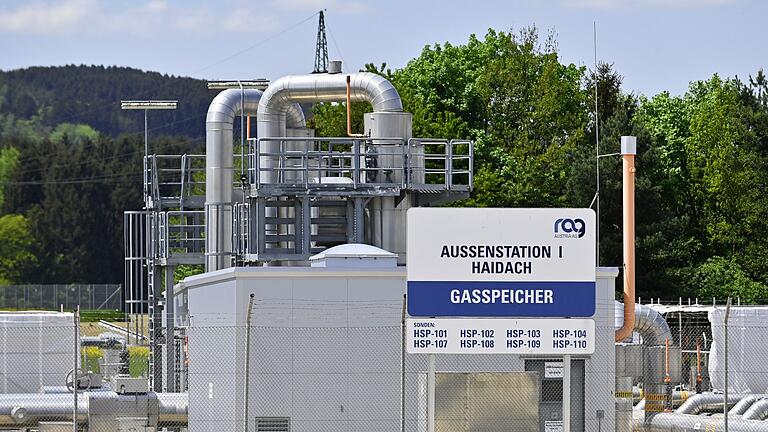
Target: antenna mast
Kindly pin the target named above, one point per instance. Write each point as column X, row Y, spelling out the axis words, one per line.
column 321, row 47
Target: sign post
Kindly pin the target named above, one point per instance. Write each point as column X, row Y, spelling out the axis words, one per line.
column 513, row 267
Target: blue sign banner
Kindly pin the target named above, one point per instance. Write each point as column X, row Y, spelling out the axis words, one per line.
column 501, row 298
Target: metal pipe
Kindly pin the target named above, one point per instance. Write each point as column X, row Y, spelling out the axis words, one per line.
column 219, row 168
column 701, row 402
column 349, row 111
column 628, row 151
column 757, row 411
column 673, row 422
column 745, row 403
column 651, row 326
column 274, row 107
column 23, row 411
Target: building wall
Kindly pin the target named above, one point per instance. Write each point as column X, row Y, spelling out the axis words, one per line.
column 326, row 350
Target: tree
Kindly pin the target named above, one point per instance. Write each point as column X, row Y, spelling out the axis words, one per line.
column 16, row 257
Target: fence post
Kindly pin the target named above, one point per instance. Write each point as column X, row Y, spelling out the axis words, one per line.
column 75, row 375
column 567, row 393
column 247, row 357
column 725, row 365
column 402, row 368
column 431, row 393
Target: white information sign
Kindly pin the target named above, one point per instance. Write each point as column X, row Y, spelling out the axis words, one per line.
column 553, row 426
column 495, row 262
column 553, row 369
column 500, row 336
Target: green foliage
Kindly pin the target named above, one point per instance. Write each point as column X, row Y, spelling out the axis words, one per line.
column 101, row 314
column 90, row 358
column 76, row 133
column 16, row 258
column 723, row 277
column 184, row 271
column 9, row 159
column 138, row 363
column 91, row 95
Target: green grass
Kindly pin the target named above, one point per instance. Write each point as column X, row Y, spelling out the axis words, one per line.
column 86, row 315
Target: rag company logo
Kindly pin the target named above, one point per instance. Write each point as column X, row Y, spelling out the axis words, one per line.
column 570, row 228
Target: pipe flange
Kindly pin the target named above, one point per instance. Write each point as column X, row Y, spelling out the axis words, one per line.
column 19, row 414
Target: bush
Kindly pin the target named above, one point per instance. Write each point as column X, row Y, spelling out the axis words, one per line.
column 90, row 357
column 138, row 361
column 723, row 277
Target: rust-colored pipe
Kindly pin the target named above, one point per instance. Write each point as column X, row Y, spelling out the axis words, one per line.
column 628, row 151
column 667, row 378
column 248, row 128
column 698, row 362
column 349, row 110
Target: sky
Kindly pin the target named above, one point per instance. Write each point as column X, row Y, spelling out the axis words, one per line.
column 657, row 45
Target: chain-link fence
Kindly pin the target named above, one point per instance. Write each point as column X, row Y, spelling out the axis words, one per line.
column 62, row 297
column 340, row 376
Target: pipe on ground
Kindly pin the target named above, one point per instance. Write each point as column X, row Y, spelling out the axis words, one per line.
column 702, row 402
column 20, row 411
column 757, row 411
column 673, row 422
column 743, row 405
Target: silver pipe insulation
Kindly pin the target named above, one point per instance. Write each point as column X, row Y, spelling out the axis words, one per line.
column 26, row 410
column 652, row 326
column 673, row 422
column 219, row 167
column 757, row 411
column 274, row 108
column 743, row 405
column 702, row 402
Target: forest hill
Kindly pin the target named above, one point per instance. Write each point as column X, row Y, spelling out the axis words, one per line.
column 521, row 253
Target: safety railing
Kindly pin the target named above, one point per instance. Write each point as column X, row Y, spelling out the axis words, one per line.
column 172, row 179
column 440, row 164
column 240, row 228
column 360, row 163
column 327, row 162
column 181, row 233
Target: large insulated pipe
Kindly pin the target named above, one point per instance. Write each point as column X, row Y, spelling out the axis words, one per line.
column 628, row 151
column 702, row 402
column 648, row 322
column 20, row 411
column 273, row 112
column 758, row 411
column 219, row 168
column 673, row 422
column 743, row 405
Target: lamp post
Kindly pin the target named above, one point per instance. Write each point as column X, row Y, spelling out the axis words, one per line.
column 147, row 105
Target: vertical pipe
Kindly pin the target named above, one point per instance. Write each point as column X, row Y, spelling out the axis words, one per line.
column 247, row 359
column 431, row 393
column 628, row 151
column 349, row 109
column 698, row 366
column 567, row 393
